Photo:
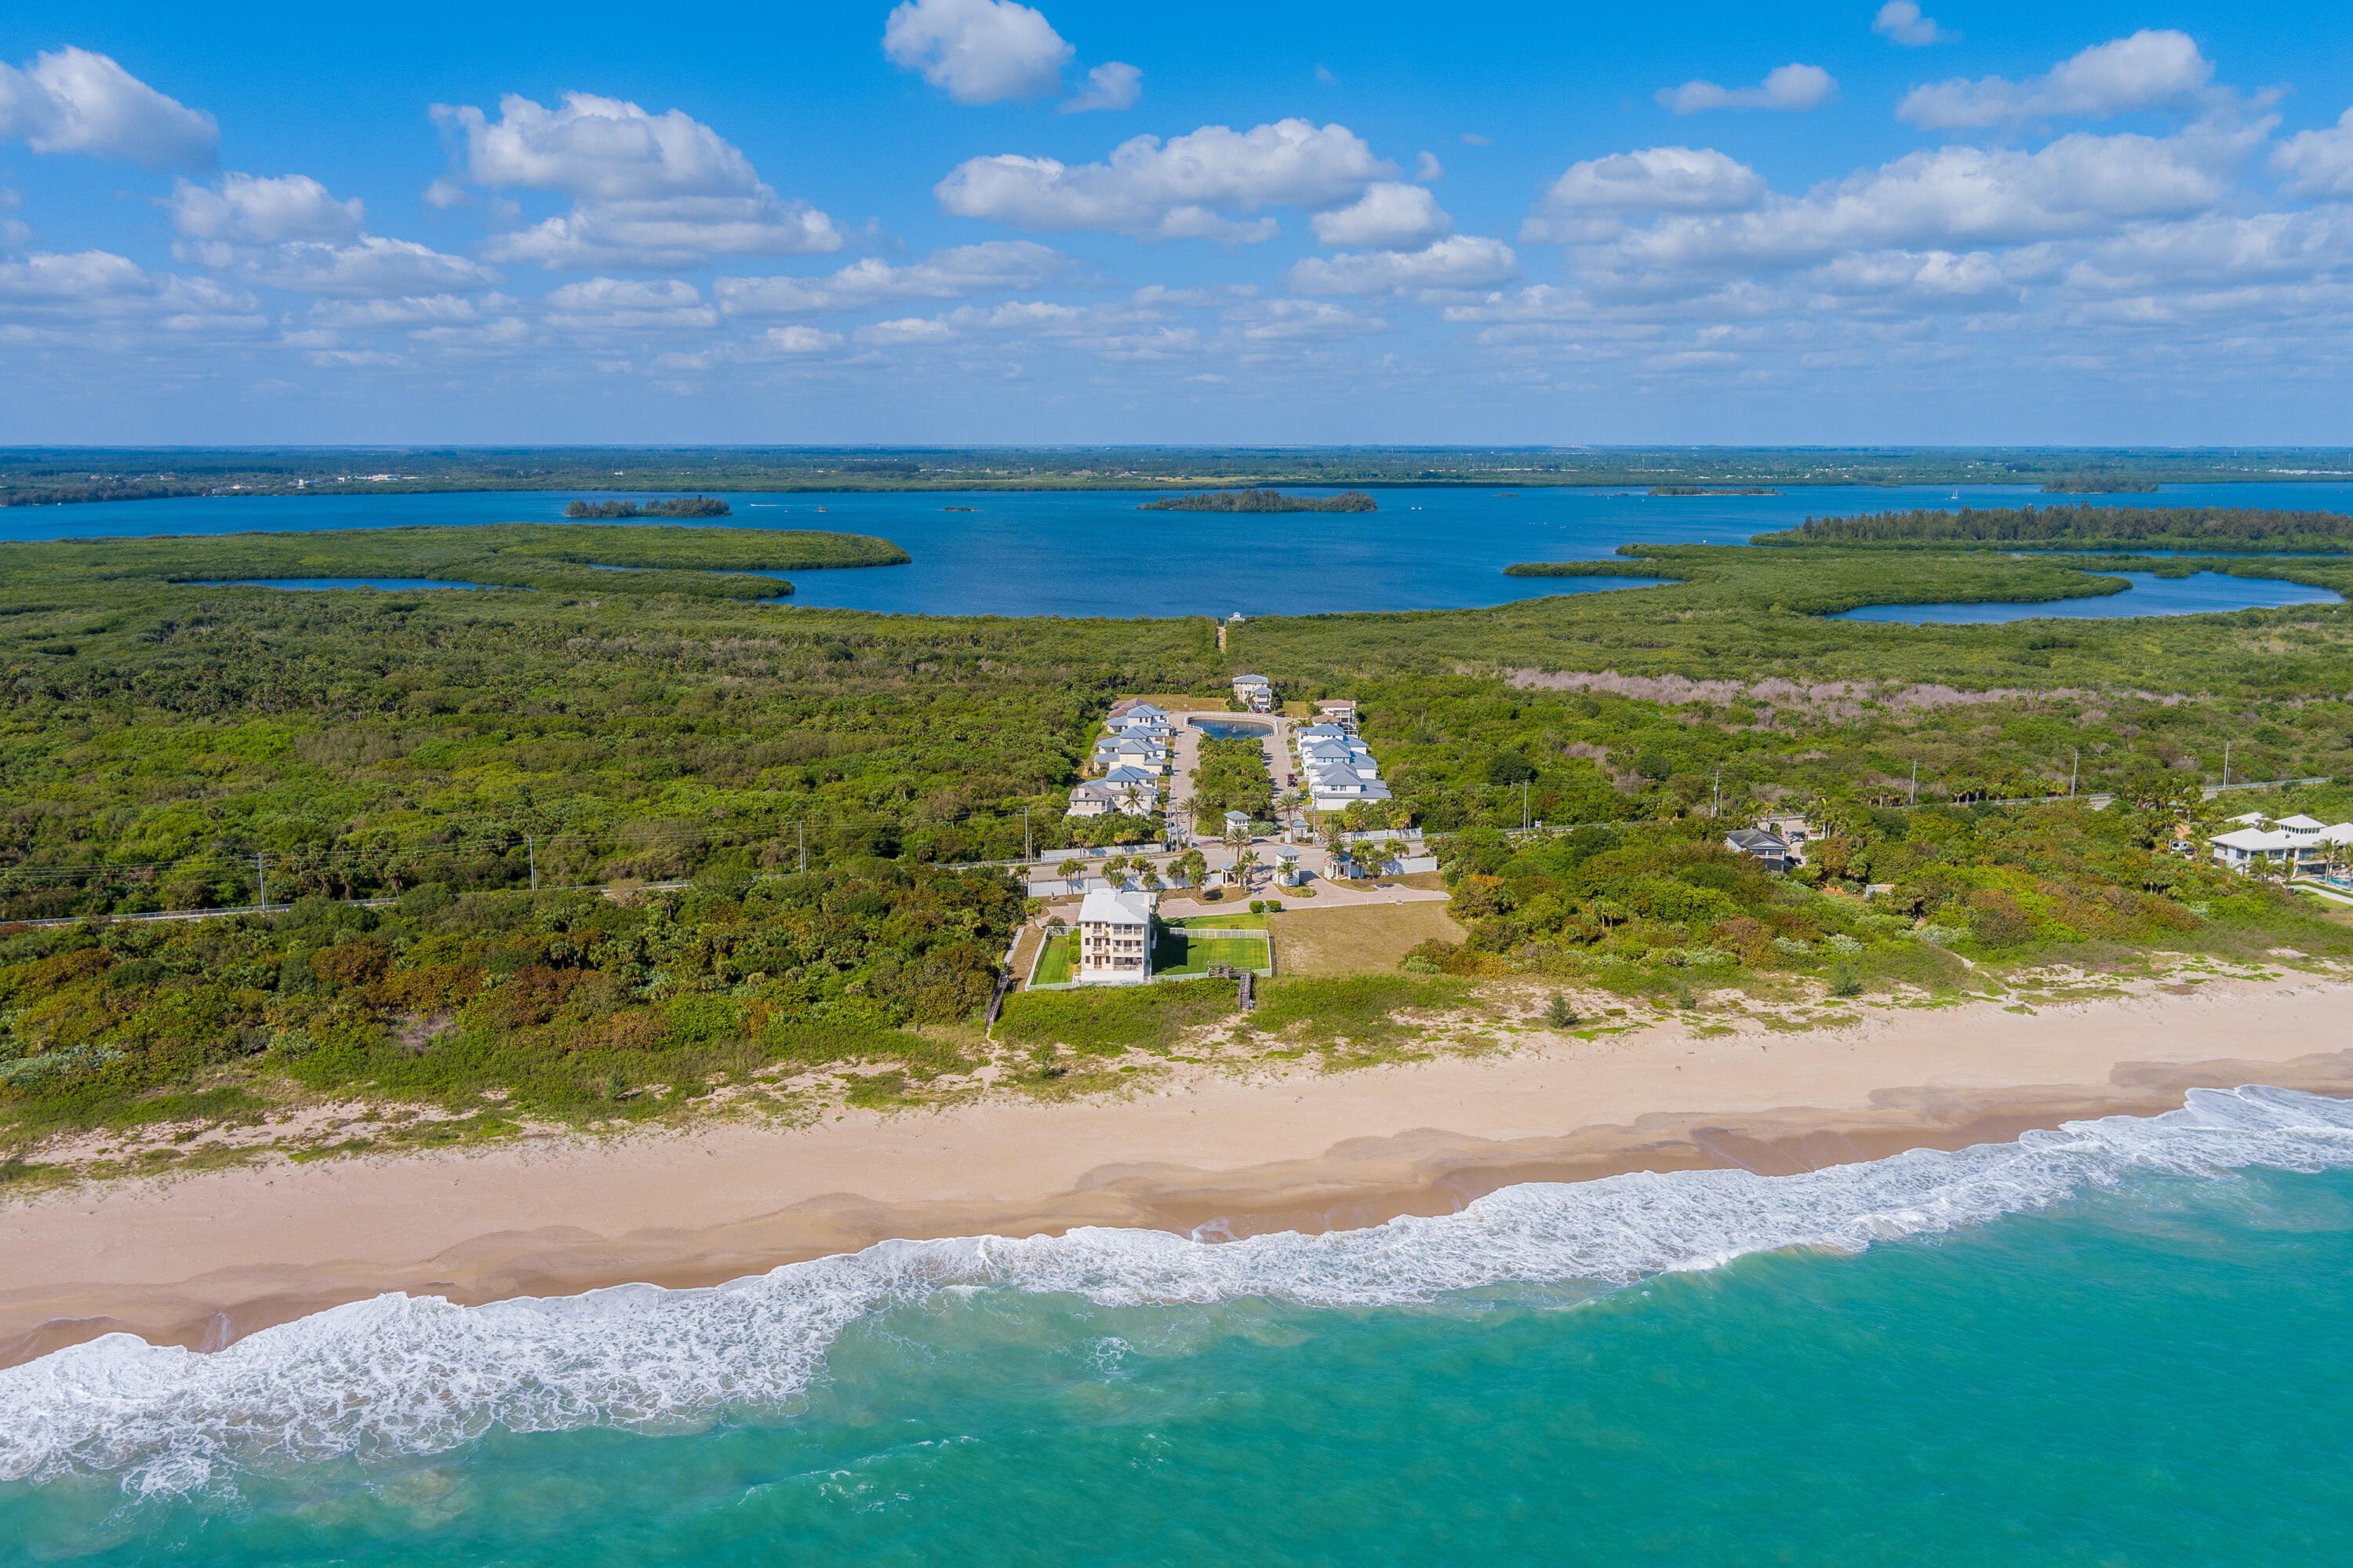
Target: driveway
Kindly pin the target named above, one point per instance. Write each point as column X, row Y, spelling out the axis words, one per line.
column 1276, row 745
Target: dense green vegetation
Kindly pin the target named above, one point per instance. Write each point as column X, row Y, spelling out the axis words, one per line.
column 1231, row 775
column 569, row 1001
column 2082, row 527
column 33, row 476
column 2043, row 882
column 555, row 556
column 1712, row 490
column 650, row 726
column 682, row 506
column 1263, row 501
column 2082, row 486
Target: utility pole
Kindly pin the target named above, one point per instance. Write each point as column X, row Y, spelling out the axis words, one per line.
column 1916, row 781
column 800, row 831
column 2226, row 765
column 1719, row 793
column 261, row 878
column 2074, row 770
column 531, row 858
column 1026, row 853
column 1523, row 805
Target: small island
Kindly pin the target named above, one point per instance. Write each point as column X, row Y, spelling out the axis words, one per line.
column 1263, row 501
column 1708, row 490
column 683, row 506
column 2086, row 485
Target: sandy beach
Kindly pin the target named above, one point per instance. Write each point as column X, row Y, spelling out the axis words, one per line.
column 202, row 1260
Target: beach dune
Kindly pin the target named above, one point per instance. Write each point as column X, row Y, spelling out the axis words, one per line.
column 204, row 1259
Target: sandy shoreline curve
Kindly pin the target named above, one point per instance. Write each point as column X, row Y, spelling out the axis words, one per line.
column 204, row 1259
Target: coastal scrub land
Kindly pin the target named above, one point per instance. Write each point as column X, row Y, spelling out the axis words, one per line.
column 39, row 477
column 635, row 850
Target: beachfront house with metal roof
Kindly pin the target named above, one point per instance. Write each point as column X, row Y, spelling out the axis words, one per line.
column 2304, row 845
column 1115, row 937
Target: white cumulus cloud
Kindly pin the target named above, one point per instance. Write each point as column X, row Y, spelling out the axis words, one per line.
column 263, row 210
column 430, row 310
column 979, row 51
column 1176, row 190
column 2320, row 163
column 72, row 100
column 624, row 304
column 1114, row 85
column 97, row 298
column 650, row 191
column 951, row 274
column 369, row 265
column 1792, row 87
column 1901, row 21
column 1388, row 217
column 2150, row 70
column 1463, row 261
column 801, row 340
column 1654, row 179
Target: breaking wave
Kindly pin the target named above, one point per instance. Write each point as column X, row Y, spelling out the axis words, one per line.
column 415, row 1374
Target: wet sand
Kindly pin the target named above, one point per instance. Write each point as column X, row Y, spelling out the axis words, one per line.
column 202, row 1260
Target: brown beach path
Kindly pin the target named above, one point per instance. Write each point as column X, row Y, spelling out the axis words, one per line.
column 206, row 1259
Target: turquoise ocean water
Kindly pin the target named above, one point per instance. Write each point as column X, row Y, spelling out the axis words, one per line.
column 2119, row 1343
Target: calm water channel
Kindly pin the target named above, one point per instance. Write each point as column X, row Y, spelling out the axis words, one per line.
column 1092, row 553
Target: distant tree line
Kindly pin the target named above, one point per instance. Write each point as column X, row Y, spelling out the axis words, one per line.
column 683, row 506
column 1263, row 501
column 2083, row 526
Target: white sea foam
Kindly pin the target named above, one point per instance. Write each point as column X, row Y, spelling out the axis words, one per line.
column 402, row 1373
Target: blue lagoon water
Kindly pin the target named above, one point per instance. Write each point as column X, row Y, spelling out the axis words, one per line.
column 2202, row 594
column 2120, row 1342
column 1092, row 553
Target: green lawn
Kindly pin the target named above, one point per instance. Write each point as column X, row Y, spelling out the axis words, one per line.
column 1177, row 954
column 1056, row 956
column 1241, row 920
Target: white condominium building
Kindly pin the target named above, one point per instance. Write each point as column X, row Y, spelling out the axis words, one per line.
column 1115, row 937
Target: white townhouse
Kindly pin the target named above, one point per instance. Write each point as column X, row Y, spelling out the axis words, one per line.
column 1338, row 767
column 1337, row 788
column 1129, row 751
column 1115, row 937
column 1134, row 797
column 1128, row 773
column 1143, row 714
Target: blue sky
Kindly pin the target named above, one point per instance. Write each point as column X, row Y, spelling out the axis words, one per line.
column 974, row 220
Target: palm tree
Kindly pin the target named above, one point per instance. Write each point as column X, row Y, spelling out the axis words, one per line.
column 1193, row 865
column 1128, row 796
column 1152, row 880
column 1070, row 867
column 1249, row 863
